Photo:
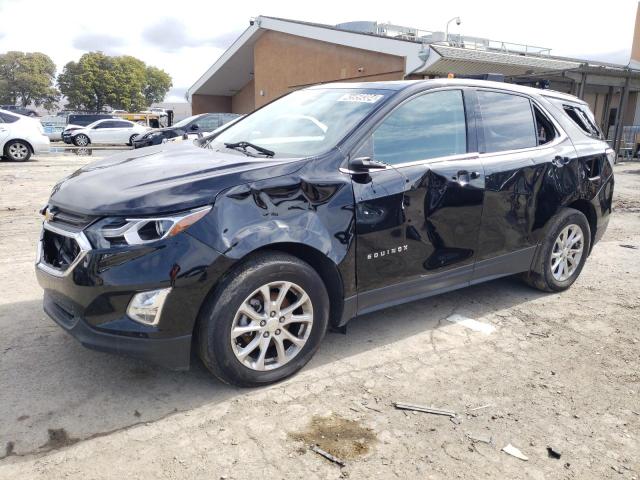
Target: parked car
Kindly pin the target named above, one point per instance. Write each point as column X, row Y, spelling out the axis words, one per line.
column 110, row 131
column 21, row 137
column 328, row 203
column 204, row 122
column 27, row 112
column 77, row 121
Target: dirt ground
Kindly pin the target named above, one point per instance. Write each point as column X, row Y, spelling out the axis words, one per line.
column 559, row 371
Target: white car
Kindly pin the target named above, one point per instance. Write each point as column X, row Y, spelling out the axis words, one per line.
column 21, row 136
column 108, row 131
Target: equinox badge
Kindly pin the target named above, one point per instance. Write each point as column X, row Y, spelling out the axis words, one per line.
column 389, row 251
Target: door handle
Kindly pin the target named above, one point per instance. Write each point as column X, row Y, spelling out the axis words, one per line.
column 559, row 161
column 463, row 177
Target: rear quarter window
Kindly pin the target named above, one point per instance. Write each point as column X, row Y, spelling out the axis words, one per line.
column 7, row 118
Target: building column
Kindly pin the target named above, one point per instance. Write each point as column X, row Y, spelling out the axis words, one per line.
column 624, row 96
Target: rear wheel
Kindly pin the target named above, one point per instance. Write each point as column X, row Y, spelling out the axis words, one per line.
column 81, row 140
column 265, row 320
column 132, row 138
column 563, row 252
column 17, row 151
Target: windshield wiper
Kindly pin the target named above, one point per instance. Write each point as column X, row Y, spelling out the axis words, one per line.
column 244, row 145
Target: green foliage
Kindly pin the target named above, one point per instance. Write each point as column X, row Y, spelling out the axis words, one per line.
column 27, row 78
column 122, row 82
column 158, row 84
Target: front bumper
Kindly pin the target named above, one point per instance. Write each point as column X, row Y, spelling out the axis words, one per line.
column 145, row 142
column 89, row 299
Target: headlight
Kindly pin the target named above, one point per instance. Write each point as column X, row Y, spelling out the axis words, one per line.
column 119, row 231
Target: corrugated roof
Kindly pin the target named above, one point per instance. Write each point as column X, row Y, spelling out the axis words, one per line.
column 464, row 60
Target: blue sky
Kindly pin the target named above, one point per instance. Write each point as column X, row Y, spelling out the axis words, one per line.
column 185, row 38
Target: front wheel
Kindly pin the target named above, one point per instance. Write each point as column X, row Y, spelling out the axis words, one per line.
column 17, row 151
column 81, row 140
column 265, row 321
column 562, row 253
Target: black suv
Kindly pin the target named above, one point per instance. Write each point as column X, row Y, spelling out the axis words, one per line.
column 204, row 122
column 331, row 202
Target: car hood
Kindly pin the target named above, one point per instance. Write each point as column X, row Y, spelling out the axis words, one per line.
column 161, row 179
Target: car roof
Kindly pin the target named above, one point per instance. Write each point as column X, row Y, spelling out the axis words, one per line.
column 463, row 82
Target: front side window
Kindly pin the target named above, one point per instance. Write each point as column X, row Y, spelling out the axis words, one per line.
column 432, row 125
column 507, row 122
column 303, row 123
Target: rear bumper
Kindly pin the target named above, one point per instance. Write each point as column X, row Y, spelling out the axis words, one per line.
column 173, row 353
column 41, row 145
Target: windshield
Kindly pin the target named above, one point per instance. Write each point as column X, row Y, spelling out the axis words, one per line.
column 303, row 123
column 185, row 121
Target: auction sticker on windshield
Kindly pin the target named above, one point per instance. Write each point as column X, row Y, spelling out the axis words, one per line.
column 360, row 97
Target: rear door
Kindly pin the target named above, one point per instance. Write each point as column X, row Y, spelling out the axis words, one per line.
column 418, row 220
column 121, row 131
column 517, row 141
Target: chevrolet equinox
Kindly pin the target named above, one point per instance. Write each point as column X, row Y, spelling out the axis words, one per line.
column 334, row 201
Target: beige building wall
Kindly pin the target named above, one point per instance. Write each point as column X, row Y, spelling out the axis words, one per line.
column 284, row 62
column 245, row 100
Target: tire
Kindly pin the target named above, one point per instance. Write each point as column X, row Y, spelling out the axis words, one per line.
column 132, row 138
column 81, row 140
column 17, row 151
column 242, row 286
column 547, row 274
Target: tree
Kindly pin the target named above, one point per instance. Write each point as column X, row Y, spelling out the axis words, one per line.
column 122, row 82
column 27, row 78
column 158, row 84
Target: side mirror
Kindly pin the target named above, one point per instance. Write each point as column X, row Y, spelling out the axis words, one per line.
column 194, row 127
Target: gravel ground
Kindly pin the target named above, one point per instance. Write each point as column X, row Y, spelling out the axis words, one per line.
column 559, row 371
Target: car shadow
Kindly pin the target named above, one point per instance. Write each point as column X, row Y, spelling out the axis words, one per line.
column 51, row 384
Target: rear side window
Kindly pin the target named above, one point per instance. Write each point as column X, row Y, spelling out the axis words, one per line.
column 121, row 124
column 507, row 122
column 545, row 130
column 432, row 125
column 7, row 118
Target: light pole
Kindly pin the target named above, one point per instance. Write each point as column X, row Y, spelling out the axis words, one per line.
column 446, row 34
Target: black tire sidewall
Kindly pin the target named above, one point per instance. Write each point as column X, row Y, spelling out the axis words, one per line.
column 219, row 355
column 132, row 138
column 568, row 217
column 14, row 142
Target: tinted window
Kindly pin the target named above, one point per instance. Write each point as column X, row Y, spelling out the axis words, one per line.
column 581, row 119
column 545, row 130
column 7, row 118
column 507, row 121
column 121, row 124
column 208, row 123
column 104, row 125
column 432, row 125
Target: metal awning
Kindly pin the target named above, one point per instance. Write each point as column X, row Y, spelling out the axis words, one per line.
column 445, row 59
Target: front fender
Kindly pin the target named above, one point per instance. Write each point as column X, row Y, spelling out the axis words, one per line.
column 310, row 208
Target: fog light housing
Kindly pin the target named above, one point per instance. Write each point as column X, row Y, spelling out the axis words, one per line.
column 146, row 307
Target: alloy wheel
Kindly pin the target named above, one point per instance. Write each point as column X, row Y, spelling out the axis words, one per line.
column 18, row 151
column 82, row 141
column 567, row 252
column 272, row 326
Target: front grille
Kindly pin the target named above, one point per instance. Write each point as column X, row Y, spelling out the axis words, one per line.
column 71, row 219
column 59, row 251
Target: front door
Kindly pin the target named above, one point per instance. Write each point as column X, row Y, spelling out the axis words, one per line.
column 418, row 219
